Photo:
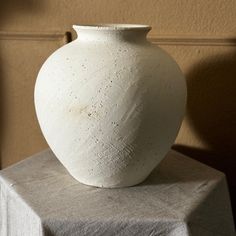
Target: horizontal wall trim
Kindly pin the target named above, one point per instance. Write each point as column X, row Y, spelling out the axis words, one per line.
column 157, row 39
column 35, row 36
column 192, row 40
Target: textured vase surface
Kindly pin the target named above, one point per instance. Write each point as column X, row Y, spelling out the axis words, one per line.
column 110, row 104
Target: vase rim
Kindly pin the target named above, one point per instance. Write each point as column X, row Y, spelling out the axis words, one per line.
column 122, row 27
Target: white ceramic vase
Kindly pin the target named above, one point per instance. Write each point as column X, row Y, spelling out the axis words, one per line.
column 110, row 104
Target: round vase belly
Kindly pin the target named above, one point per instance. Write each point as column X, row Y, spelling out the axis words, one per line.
column 110, row 104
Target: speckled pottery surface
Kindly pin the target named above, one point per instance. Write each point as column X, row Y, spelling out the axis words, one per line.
column 110, row 104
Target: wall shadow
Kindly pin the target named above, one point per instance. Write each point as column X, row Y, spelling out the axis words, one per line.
column 7, row 10
column 11, row 7
column 211, row 111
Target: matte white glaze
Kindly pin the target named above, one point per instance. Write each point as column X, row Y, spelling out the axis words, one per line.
column 110, row 104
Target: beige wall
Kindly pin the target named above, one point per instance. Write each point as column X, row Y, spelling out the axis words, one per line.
column 199, row 34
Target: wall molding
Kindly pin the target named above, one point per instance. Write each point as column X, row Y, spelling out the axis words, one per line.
column 36, row 36
column 192, row 40
column 65, row 37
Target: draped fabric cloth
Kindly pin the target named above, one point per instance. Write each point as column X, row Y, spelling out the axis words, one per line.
column 181, row 197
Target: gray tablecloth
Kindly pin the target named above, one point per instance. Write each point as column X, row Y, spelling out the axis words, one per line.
column 181, row 197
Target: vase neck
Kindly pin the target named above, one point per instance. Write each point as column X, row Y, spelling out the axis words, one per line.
column 112, row 32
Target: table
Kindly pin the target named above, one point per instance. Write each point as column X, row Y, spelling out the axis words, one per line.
column 181, row 197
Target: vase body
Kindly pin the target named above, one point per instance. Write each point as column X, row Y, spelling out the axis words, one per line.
column 110, row 104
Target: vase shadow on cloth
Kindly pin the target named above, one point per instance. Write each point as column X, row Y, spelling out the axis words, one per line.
column 173, row 170
column 211, row 112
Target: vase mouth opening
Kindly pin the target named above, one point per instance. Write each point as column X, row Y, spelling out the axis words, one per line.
column 120, row 27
